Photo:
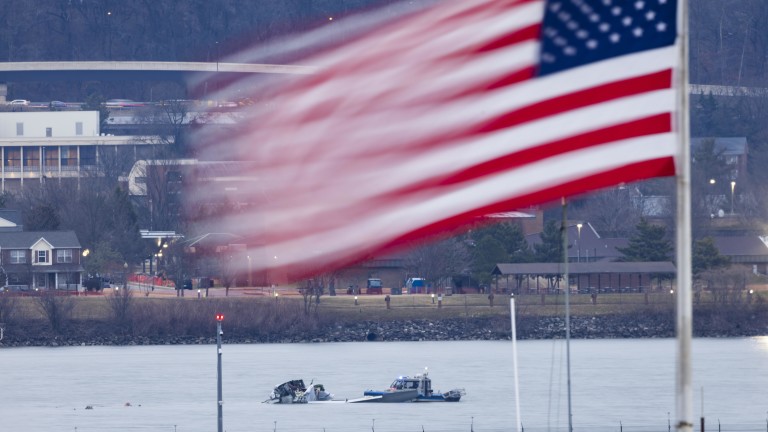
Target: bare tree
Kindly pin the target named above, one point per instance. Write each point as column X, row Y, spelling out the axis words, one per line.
column 121, row 304
column 57, row 309
column 439, row 260
column 727, row 285
column 614, row 211
column 8, row 308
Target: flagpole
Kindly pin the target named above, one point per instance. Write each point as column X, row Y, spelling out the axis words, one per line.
column 684, row 326
column 567, row 311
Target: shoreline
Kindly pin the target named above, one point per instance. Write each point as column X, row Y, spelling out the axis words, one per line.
column 639, row 325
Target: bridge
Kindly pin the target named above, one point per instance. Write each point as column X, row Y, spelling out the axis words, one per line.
column 191, row 73
column 186, row 72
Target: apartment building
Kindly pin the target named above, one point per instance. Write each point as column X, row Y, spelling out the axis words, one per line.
column 61, row 145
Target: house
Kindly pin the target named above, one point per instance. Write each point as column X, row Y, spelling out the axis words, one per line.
column 748, row 252
column 41, row 259
column 38, row 259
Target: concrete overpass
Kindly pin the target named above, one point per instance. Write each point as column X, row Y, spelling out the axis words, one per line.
column 186, row 72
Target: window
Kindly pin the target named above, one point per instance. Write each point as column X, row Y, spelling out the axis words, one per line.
column 78, row 128
column 31, row 158
column 68, row 157
column 64, row 256
column 12, row 158
column 41, row 256
column 88, row 156
column 51, row 157
column 18, row 257
column 19, row 129
column 48, row 132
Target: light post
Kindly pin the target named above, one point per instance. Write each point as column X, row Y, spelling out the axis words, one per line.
column 733, row 186
column 219, row 319
column 125, row 275
column 84, row 254
column 578, row 242
column 109, row 34
column 250, row 275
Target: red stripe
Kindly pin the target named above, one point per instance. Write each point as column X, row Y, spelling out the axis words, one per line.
column 522, row 35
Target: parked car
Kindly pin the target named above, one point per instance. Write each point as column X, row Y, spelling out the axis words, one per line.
column 19, row 102
column 96, row 283
column 58, row 104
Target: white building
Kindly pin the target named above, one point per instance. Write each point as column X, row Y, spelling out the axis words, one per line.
column 62, row 145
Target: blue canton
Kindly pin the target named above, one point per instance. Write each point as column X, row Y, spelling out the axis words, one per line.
column 578, row 32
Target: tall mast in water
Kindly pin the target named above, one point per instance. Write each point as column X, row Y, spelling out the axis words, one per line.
column 567, row 311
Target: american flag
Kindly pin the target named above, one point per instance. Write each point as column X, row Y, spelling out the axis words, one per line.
column 454, row 111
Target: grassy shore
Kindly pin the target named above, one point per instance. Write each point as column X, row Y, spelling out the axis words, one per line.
column 255, row 316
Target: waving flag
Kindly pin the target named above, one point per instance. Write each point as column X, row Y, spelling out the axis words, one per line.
column 451, row 112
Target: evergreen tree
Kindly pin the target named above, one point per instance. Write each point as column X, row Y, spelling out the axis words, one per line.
column 648, row 243
column 551, row 247
column 707, row 257
column 124, row 228
column 511, row 237
column 488, row 252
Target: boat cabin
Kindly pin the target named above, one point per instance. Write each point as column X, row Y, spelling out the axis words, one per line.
column 419, row 382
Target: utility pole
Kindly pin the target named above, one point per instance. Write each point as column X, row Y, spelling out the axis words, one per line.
column 219, row 319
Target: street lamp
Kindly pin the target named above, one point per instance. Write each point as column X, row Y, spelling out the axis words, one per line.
column 733, row 186
column 578, row 242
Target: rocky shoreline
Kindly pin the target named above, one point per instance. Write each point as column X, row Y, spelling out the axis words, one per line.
column 646, row 324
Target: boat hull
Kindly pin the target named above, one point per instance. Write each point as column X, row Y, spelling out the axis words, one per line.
column 392, row 396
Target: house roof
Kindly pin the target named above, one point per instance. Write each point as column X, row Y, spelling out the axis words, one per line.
column 13, row 217
column 741, row 246
column 586, row 243
column 583, row 268
column 25, row 239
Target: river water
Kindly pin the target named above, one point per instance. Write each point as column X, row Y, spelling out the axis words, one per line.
column 617, row 385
